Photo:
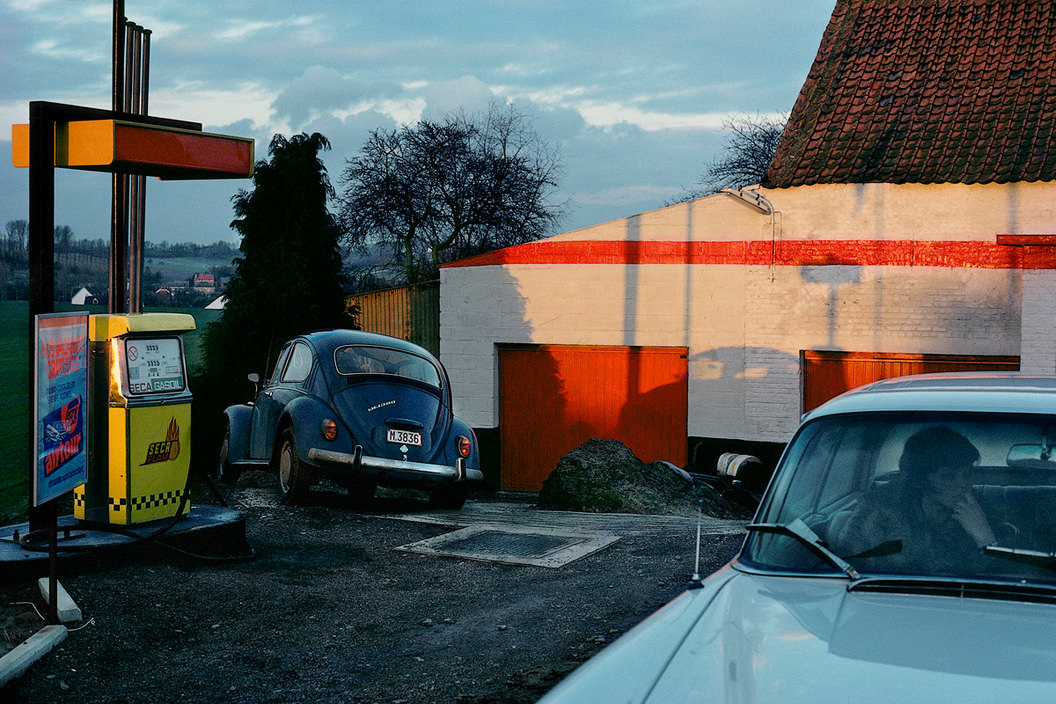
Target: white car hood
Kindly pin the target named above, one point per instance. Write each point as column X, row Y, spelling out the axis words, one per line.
column 746, row 638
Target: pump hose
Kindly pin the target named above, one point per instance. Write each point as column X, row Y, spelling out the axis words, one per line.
column 27, row 541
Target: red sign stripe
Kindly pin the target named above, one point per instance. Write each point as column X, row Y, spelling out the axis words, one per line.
column 957, row 255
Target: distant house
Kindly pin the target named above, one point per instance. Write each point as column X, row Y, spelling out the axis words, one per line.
column 907, row 223
column 205, row 283
column 84, row 297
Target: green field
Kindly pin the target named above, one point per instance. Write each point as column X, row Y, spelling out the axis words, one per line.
column 15, row 441
column 183, row 268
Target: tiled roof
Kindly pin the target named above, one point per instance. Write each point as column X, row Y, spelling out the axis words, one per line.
column 926, row 91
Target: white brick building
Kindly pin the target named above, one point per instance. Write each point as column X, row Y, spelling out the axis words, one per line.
column 843, row 266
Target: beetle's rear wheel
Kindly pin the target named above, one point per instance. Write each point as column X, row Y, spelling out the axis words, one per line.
column 294, row 477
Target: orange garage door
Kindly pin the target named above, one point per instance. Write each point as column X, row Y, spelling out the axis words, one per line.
column 554, row 398
column 828, row 374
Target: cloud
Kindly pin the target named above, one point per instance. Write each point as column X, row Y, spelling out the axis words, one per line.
column 614, row 113
column 466, row 93
column 321, row 90
column 213, row 104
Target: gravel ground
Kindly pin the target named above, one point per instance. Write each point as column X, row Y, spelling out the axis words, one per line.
column 330, row 612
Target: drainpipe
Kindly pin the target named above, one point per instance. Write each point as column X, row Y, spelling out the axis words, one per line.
column 764, row 206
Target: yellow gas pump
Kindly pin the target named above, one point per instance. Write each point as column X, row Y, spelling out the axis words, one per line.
column 139, row 457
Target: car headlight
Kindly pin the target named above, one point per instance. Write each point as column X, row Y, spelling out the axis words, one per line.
column 329, row 429
column 464, row 445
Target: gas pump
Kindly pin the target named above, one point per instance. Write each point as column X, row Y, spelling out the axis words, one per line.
column 139, row 457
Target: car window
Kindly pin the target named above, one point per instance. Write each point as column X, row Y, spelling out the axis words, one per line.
column 962, row 494
column 279, row 364
column 299, row 365
column 368, row 359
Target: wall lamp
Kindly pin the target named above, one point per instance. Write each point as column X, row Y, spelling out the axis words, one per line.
column 760, row 203
column 752, row 198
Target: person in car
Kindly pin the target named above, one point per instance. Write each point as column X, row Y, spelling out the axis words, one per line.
column 927, row 516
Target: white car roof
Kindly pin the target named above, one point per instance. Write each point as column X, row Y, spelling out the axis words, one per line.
column 1009, row 392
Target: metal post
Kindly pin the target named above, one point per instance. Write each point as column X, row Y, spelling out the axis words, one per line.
column 135, row 100
column 41, row 249
column 53, row 562
column 119, row 203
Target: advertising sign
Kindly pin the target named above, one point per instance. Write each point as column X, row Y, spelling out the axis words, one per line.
column 60, row 401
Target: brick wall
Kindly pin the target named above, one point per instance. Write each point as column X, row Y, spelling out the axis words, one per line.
column 1038, row 353
column 746, row 324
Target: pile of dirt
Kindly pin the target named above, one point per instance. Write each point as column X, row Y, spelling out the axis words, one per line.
column 605, row 476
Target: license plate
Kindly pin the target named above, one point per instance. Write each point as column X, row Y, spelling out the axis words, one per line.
column 404, row 437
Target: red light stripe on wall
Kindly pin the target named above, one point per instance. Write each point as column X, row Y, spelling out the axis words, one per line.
column 957, row 255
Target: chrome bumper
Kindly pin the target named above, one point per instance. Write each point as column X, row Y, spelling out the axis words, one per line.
column 401, row 469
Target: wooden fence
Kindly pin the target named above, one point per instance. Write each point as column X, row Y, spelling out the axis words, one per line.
column 408, row 312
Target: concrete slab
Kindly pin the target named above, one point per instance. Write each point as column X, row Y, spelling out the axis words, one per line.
column 514, row 545
column 525, row 514
column 506, row 531
column 15, row 663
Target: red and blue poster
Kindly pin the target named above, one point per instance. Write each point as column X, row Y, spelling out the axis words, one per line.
column 61, row 403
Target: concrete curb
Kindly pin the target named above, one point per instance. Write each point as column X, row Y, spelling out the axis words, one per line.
column 65, row 606
column 16, row 662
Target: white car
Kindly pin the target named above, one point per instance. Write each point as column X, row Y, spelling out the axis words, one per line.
column 905, row 551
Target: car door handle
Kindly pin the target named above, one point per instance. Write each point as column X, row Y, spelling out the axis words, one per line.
column 267, row 393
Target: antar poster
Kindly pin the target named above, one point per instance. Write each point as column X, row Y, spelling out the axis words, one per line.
column 61, row 404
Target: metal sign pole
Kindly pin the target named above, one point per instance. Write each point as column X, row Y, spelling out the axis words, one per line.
column 41, row 249
column 116, row 301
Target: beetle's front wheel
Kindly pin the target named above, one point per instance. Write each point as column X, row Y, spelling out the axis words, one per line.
column 225, row 473
column 294, row 477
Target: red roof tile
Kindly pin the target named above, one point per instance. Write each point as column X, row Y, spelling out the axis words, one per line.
column 926, row 91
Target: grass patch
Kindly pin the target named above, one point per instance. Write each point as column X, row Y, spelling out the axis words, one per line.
column 15, row 436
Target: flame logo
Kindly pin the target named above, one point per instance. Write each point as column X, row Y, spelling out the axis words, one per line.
column 173, row 436
column 167, row 449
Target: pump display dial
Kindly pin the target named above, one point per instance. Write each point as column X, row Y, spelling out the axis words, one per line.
column 154, row 365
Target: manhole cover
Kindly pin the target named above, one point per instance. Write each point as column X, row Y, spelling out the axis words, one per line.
column 513, row 545
column 519, row 544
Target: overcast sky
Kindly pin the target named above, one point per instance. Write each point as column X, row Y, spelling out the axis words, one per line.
column 633, row 93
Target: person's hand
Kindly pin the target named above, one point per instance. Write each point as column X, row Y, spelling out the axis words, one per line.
column 970, row 515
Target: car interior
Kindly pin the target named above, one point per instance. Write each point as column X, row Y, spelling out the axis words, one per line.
column 839, row 460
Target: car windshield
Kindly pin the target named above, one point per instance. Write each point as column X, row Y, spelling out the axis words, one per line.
column 953, row 495
column 367, row 359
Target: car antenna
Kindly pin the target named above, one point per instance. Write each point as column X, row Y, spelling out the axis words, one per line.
column 695, row 581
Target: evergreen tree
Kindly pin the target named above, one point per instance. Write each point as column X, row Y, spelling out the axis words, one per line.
column 288, row 279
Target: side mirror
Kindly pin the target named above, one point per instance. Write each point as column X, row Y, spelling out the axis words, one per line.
column 255, row 379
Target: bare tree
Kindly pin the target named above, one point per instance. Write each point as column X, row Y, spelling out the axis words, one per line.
column 17, row 231
column 745, row 157
column 446, row 189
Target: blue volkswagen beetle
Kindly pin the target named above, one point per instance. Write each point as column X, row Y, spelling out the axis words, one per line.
column 905, row 551
column 359, row 408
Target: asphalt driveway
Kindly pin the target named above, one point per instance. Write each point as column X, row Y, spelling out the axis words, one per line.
column 398, row 603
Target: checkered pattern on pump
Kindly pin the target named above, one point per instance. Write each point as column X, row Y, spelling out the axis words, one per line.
column 139, row 503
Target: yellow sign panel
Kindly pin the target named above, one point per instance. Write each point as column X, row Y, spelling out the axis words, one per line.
column 135, row 148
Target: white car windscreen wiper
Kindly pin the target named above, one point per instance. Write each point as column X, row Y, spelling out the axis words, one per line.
column 1029, row 557
column 799, row 530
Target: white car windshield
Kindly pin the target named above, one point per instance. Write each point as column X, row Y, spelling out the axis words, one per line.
column 960, row 495
column 367, row 359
